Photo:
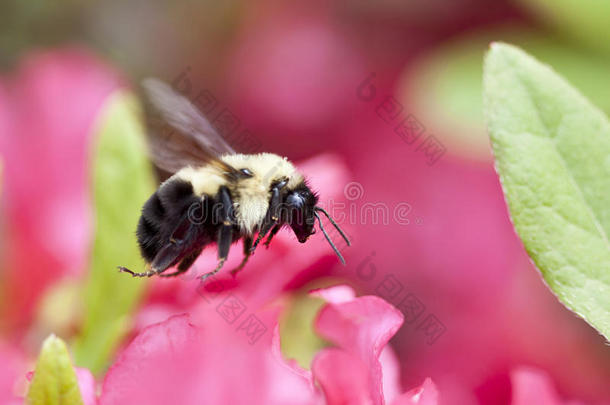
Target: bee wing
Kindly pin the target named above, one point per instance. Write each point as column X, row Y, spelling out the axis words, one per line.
column 194, row 142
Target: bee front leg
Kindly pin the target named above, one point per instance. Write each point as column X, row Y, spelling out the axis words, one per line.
column 225, row 233
column 273, row 214
column 274, row 230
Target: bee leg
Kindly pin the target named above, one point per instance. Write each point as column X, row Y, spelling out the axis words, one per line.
column 184, row 265
column 274, row 230
column 211, row 273
column 273, row 213
column 148, row 273
column 225, row 233
column 247, row 246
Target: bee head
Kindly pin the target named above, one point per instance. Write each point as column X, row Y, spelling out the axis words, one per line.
column 300, row 211
column 301, row 215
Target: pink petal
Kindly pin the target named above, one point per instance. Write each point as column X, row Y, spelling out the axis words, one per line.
column 389, row 363
column 531, row 386
column 276, row 349
column 426, row 394
column 335, row 295
column 153, row 362
column 48, row 113
column 344, row 378
column 87, row 386
column 390, row 368
column 177, row 362
column 362, row 327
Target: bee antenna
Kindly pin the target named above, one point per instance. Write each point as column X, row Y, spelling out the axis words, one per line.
column 332, row 221
column 328, row 238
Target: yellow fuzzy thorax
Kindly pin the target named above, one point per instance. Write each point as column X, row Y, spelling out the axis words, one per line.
column 250, row 195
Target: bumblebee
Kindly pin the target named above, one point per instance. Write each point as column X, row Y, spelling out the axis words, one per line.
column 215, row 195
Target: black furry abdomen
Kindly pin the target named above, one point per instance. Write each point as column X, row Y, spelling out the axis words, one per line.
column 163, row 211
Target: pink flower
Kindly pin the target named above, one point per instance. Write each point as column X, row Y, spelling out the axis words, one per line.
column 355, row 371
column 178, row 362
column 360, row 328
column 47, row 113
column 213, row 360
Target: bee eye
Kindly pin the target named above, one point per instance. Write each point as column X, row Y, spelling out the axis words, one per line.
column 246, row 172
column 294, row 200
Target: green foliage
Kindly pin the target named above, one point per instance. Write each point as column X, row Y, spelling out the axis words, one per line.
column 54, row 381
column 586, row 20
column 552, row 150
column 122, row 182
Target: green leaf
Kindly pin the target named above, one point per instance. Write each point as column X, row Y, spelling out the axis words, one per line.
column 552, row 151
column 123, row 180
column 54, row 381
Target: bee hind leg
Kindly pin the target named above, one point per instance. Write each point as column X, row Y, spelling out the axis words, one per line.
column 148, row 273
column 184, row 265
column 205, row 276
column 247, row 254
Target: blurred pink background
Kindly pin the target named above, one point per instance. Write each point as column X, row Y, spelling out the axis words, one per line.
column 330, row 81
